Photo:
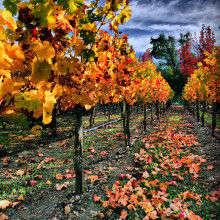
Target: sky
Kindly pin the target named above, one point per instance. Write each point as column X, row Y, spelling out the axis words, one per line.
column 171, row 17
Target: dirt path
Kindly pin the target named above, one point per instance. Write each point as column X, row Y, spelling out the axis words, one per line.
column 104, row 156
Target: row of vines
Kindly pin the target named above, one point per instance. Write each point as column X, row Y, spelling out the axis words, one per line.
column 203, row 86
column 54, row 54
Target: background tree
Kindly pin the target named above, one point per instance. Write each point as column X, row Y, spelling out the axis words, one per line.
column 164, row 49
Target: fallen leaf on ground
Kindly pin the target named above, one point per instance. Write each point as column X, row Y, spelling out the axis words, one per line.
column 67, row 209
column 20, row 172
column 3, row 217
column 33, row 183
column 97, row 198
column 59, row 177
column 210, row 167
column 103, row 153
column 48, row 182
column 101, row 215
column 60, row 187
column 5, row 161
column 124, row 214
column 93, row 178
column 4, row 204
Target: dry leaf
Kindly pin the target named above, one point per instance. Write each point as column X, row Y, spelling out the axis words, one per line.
column 210, row 167
column 93, row 178
column 59, row 177
column 4, row 204
column 48, row 182
column 124, row 214
column 101, row 215
column 20, row 172
column 97, row 198
column 3, row 217
column 67, row 209
column 145, row 175
column 60, row 187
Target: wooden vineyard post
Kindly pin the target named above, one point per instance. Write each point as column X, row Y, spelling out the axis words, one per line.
column 128, row 112
column 203, row 113
column 157, row 110
column 197, row 110
column 124, row 120
column 53, row 123
column 92, row 117
column 78, row 146
column 214, row 109
column 109, row 112
column 145, row 116
column 151, row 111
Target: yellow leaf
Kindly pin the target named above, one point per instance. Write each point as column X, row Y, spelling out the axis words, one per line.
column 41, row 71
column 36, row 130
column 125, row 15
column 87, row 107
column 48, row 107
column 5, row 73
column 44, row 50
column 67, row 209
column 9, row 21
column 6, row 86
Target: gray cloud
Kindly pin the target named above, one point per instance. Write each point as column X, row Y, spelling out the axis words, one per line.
column 172, row 17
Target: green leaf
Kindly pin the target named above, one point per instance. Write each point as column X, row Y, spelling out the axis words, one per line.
column 11, row 5
column 71, row 6
column 88, row 55
column 26, row 101
column 45, row 14
column 88, row 36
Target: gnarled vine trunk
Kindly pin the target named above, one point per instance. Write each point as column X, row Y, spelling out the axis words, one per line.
column 78, row 148
column 126, row 122
column 145, row 116
column 203, row 113
column 197, row 110
column 214, row 111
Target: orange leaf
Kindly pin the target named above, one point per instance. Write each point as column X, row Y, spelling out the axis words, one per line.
column 105, row 204
column 153, row 215
column 60, row 187
column 146, row 206
column 213, row 199
column 20, row 198
column 59, row 177
column 207, row 197
column 103, row 153
column 3, row 217
column 48, row 182
column 101, row 215
column 97, row 198
column 145, row 175
column 93, row 178
column 210, row 167
column 4, row 204
column 124, row 214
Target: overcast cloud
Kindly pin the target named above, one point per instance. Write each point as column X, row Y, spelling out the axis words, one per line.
column 151, row 17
